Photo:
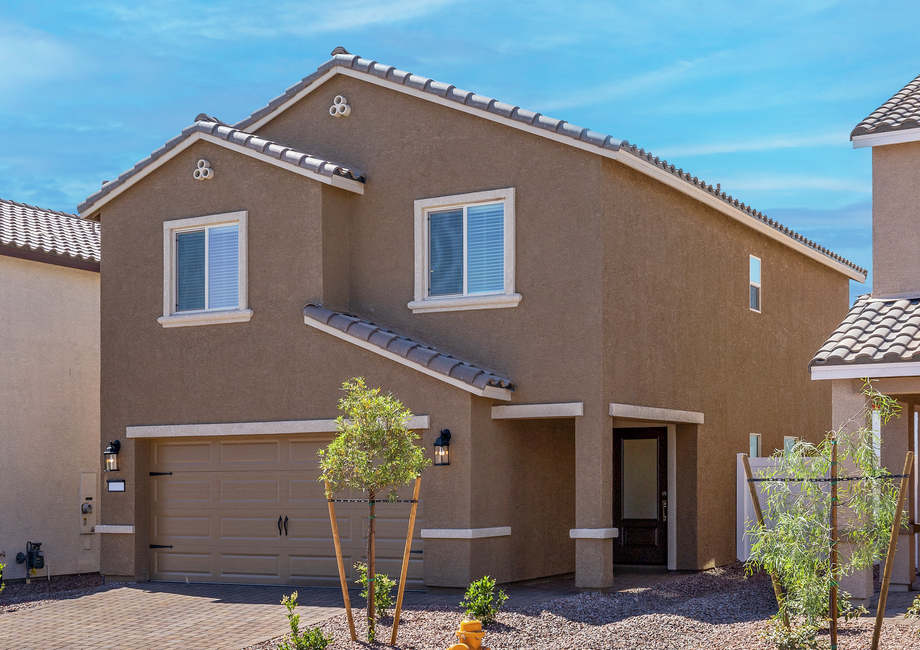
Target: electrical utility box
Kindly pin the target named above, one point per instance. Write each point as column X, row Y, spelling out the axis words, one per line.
column 89, row 503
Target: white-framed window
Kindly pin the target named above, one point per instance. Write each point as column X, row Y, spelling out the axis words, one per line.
column 205, row 270
column 755, row 284
column 464, row 252
column 754, row 446
column 789, row 443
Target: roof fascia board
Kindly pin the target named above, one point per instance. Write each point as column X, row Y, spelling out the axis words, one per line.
column 538, row 411
column 45, row 257
column 654, row 414
column 866, row 370
column 249, row 428
column 735, row 213
column 886, row 137
column 621, row 156
column 344, row 183
column 489, row 391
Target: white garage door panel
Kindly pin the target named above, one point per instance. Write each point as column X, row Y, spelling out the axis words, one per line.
column 219, row 511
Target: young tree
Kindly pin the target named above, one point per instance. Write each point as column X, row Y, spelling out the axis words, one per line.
column 373, row 452
column 798, row 547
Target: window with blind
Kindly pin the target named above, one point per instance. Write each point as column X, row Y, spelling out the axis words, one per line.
column 465, row 252
column 204, row 271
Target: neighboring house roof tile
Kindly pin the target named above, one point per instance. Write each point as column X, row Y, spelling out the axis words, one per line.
column 56, row 233
column 239, row 138
column 897, row 114
column 560, row 127
column 874, row 331
column 413, row 352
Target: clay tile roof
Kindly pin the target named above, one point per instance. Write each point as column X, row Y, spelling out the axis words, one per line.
column 57, row 233
column 342, row 59
column 874, row 331
column 238, row 138
column 414, row 353
column 900, row 112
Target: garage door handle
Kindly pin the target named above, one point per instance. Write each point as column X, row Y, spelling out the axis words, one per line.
column 279, row 525
column 285, row 525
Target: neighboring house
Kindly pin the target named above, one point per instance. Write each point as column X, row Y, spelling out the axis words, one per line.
column 880, row 337
column 49, row 389
column 600, row 332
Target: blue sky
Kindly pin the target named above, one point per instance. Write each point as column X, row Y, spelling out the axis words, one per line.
column 759, row 97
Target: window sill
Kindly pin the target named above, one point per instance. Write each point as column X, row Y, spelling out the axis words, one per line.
column 206, row 318
column 465, row 303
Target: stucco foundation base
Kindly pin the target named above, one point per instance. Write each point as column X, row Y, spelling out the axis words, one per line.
column 593, row 563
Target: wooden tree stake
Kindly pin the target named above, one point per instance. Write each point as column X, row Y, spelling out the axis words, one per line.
column 341, row 563
column 892, row 547
column 405, row 562
column 833, row 603
column 777, row 589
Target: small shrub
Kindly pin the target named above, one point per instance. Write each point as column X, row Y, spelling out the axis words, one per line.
column 481, row 602
column 383, row 588
column 803, row 637
column 914, row 611
column 312, row 639
column 1, row 577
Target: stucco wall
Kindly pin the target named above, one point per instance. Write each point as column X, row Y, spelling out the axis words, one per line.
column 49, row 412
column 895, row 210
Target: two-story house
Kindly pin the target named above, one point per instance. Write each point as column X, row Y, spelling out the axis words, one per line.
column 599, row 331
column 880, row 337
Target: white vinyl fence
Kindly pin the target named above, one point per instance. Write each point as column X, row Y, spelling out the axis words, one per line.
column 745, row 509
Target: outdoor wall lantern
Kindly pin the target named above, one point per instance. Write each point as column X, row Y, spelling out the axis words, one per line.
column 442, row 448
column 111, row 456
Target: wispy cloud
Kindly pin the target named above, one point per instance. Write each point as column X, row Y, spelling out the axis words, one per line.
column 30, row 56
column 782, row 141
column 780, row 182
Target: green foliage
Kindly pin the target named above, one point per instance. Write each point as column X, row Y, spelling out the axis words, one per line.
column 374, row 448
column 796, row 549
column 481, row 602
column 383, row 588
column 312, row 639
column 1, row 577
column 914, row 611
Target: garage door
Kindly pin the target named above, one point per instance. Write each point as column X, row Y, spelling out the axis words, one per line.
column 250, row 510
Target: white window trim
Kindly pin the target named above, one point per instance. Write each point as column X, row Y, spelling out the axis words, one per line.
column 423, row 303
column 170, row 317
column 751, row 283
column 759, row 445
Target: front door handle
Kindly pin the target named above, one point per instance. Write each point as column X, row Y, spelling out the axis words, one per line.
column 285, row 525
column 664, row 510
column 279, row 525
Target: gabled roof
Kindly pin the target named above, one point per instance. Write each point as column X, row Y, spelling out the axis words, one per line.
column 43, row 235
column 874, row 332
column 213, row 130
column 899, row 113
column 407, row 352
column 559, row 130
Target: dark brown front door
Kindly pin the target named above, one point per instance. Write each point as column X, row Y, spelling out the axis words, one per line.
column 640, row 494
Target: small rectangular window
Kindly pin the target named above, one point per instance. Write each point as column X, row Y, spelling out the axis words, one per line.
column 467, row 251
column 789, row 443
column 207, row 268
column 755, row 283
column 754, row 451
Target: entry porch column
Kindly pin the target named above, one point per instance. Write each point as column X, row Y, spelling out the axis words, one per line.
column 594, row 498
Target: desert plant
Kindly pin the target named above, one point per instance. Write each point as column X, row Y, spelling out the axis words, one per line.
column 373, row 452
column 311, row 639
column 2, row 566
column 796, row 548
column 383, row 588
column 481, row 602
column 914, row 611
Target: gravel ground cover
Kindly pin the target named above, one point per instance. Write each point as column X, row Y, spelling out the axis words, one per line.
column 18, row 595
column 719, row 609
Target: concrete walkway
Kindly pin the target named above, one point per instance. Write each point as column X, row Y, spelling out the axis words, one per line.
column 168, row 616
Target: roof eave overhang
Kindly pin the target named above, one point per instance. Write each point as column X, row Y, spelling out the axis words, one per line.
column 866, row 370
column 886, row 137
column 614, row 154
column 492, row 392
column 336, row 181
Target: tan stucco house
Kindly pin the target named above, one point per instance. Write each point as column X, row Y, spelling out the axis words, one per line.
column 49, row 389
column 880, row 337
column 600, row 332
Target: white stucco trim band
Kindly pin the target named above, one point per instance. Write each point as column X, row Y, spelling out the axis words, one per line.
column 538, row 411
column 108, row 529
column 633, row 412
column 886, row 137
column 465, row 533
column 206, row 318
column 489, row 391
column 594, row 533
column 249, row 428
column 870, row 370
